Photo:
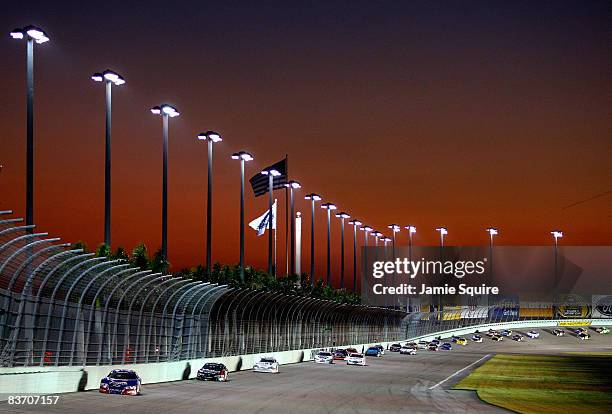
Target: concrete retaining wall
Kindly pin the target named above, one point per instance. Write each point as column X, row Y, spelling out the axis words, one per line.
column 55, row 380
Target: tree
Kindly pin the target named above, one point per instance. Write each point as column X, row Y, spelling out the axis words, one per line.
column 120, row 253
column 103, row 250
column 159, row 264
column 140, row 257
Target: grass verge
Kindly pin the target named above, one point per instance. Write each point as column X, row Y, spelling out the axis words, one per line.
column 544, row 384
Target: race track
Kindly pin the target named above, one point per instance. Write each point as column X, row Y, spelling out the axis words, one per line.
column 391, row 384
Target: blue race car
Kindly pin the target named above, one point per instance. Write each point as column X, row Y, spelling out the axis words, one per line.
column 121, row 381
column 446, row 346
column 373, row 351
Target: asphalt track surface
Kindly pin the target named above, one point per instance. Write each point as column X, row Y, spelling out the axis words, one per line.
column 391, row 384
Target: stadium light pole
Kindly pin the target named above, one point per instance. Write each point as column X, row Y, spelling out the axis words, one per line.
column 377, row 236
column 443, row 232
column 243, row 157
column 292, row 185
column 313, row 199
column 342, row 216
column 329, row 207
column 366, row 230
column 109, row 78
column 211, row 137
column 394, row 229
column 386, row 241
column 355, row 224
column 492, row 232
column 411, row 230
column 31, row 35
column 271, row 174
column 166, row 111
column 557, row 234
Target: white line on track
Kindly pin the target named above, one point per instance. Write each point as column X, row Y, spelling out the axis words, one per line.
column 459, row 371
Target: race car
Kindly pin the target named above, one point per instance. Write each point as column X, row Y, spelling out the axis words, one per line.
column 461, row 341
column 433, row 347
column 602, row 330
column 584, row 336
column 395, row 347
column 578, row 331
column 356, row 359
column 446, row 346
column 407, row 350
column 435, row 341
column 518, row 338
column 266, row 364
column 324, row 357
column 373, row 351
column 213, row 371
column 121, row 381
column 533, row 334
column 497, row 338
column 506, row 332
column 411, row 344
column 351, row 351
column 382, row 348
column 558, row 332
column 476, row 338
column 423, row 344
column 491, row 333
column 340, row 354
column 454, row 339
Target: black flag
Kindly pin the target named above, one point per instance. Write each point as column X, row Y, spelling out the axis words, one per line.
column 259, row 182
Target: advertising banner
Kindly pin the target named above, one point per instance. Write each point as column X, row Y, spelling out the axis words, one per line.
column 528, row 312
column 572, row 306
column 602, row 306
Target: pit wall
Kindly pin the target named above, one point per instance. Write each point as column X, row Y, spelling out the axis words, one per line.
column 56, row 380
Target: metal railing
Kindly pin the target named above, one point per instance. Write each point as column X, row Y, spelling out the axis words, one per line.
column 62, row 306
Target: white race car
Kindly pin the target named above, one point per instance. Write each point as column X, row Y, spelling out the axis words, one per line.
column 408, row 350
column 423, row 344
column 558, row 332
column 356, row 359
column 266, row 364
column 533, row 334
column 476, row 338
column 602, row 330
column 324, row 358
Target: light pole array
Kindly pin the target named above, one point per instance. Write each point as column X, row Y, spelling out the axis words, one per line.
column 292, row 185
column 31, row 34
column 271, row 174
column 109, row 78
column 342, row 216
column 166, row 111
column 210, row 137
column 243, row 157
column 313, row 199
column 329, row 207
column 355, row 224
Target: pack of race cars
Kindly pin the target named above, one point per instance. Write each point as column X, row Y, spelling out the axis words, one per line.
column 127, row 382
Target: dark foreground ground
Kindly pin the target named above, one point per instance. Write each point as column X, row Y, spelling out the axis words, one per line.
column 391, row 384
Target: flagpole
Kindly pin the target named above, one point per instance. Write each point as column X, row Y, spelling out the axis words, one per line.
column 270, row 236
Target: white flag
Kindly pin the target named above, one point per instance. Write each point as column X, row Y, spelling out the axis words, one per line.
column 261, row 223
